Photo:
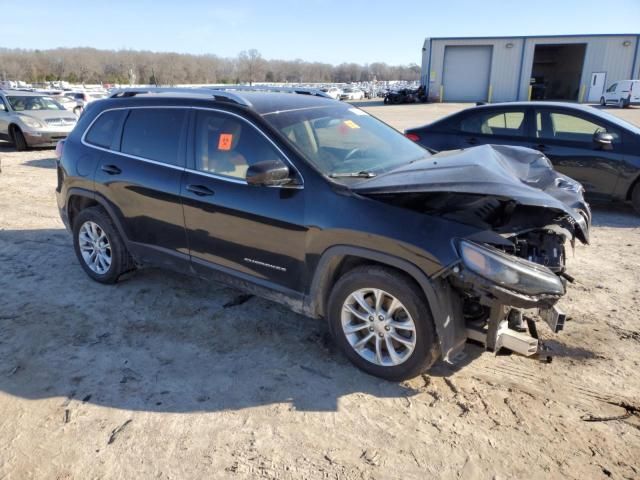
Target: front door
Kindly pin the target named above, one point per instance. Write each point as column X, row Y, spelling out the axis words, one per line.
column 596, row 87
column 567, row 137
column 255, row 233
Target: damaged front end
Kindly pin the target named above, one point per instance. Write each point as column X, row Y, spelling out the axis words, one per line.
column 525, row 214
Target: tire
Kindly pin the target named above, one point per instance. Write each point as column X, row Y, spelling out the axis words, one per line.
column 621, row 103
column 413, row 312
column 635, row 198
column 603, row 102
column 115, row 251
column 18, row 139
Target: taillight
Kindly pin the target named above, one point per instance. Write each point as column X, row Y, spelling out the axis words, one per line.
column 59, row 148
column 413, row 137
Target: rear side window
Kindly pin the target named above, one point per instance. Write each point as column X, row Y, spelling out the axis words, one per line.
column 103, row 130
column 154, row 133
column 494, row 123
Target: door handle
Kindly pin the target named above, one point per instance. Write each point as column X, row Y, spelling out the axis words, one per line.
column 111, row 169
column 200, row 190
column 472, row 141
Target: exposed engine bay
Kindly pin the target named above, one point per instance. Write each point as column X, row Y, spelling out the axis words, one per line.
column 526, row 214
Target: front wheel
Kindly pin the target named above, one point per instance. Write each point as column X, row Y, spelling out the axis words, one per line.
column 99, row 247
column 18, row 140
column 382, row 323
column 602, row 102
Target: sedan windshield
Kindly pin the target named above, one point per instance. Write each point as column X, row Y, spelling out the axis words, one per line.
column 341, row 140
column 20, row 103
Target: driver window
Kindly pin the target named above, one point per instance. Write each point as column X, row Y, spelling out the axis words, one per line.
column 227, row 146
column 562, row 126
column 612, row 88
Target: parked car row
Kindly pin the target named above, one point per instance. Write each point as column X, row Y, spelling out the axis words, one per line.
column 29, row 119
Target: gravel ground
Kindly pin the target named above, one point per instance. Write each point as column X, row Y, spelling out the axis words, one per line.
column 163, row 376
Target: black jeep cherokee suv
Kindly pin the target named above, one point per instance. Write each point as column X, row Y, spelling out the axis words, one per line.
column 316, row 204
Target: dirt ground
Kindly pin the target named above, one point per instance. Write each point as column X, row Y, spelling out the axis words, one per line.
column 163, row 376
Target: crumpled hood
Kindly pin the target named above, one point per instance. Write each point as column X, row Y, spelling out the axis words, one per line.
column 520, row 174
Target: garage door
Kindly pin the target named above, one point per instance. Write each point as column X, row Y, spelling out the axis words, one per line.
column 466, row 73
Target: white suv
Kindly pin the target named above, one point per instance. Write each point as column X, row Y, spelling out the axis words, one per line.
column 622, row 93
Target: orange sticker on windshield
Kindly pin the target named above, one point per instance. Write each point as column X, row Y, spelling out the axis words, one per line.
column 226, row 139
column 351, row 124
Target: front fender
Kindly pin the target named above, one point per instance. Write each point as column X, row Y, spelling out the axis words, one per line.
column 443, row 301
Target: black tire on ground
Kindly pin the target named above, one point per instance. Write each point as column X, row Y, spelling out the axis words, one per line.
column 603, row 102
column 635, row 197
column 426, row 351
column 18, row 139
column 121, row 260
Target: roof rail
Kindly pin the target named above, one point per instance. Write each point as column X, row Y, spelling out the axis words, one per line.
column 259, row 88
column 218, row 95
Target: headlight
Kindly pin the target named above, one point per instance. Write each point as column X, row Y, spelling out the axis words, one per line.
column 509, row 271
column 31, row 122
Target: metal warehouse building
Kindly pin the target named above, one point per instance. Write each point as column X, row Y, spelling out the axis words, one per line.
column 500, row 69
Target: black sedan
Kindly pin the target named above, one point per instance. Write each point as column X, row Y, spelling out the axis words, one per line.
column 599, row 150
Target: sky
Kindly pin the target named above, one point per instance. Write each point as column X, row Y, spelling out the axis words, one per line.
column 329, row 31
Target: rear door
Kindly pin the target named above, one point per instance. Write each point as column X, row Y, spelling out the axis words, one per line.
column 635, row 92
column 253, row 232
column 566, row 137
column 140, row 177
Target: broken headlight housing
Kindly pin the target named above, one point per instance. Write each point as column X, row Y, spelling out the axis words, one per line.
column 508, row 271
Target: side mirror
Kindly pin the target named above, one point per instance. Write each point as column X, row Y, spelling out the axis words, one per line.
column 604, row 140
column 3, row 107
column 268, row 173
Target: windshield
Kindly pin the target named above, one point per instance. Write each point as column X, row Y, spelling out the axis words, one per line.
column 341, row 139
column 21, row 103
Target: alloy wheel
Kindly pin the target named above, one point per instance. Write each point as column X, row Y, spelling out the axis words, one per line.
column 95, row 247
column 378, row 327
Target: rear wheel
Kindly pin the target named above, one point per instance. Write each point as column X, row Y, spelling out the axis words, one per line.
column 99, row 247
column 18, row 139
column 622, row 103
column 382, row 323
column 635, row 198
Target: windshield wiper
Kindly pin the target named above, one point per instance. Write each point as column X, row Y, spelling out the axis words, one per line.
column 363, row 174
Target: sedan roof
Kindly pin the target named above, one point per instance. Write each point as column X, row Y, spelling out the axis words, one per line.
column 577, row 107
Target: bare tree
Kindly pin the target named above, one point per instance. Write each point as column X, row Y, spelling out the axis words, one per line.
column 90, row 66
column 251, row 65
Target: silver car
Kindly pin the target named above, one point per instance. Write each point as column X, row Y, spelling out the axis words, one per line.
column 30, row 119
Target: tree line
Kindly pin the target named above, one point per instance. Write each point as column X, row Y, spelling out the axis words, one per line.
column 93, row 66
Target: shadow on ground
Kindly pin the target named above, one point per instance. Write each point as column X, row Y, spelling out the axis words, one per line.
column 158, row 341
column 614, row 214
column 42, row 163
